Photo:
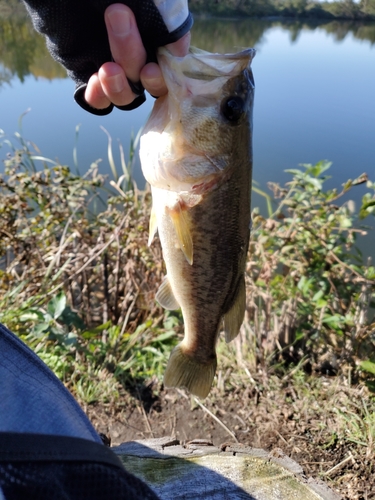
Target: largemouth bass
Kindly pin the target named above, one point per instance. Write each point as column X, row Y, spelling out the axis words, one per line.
column 196, row 153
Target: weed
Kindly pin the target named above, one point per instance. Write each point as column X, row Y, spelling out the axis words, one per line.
column 78, row 281
column 310, row 292
column 78, row 285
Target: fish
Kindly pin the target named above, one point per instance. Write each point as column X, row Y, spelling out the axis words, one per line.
column 196, row 154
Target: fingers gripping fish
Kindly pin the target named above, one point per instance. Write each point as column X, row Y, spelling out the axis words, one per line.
column 196, row 152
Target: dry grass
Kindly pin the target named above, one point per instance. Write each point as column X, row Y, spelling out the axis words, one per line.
column 308, row 318
column 102, row 261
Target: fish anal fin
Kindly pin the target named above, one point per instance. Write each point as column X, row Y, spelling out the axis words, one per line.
column 185, row 371
column 180, row 223
column 234, row 317
column 153, row 226
column 165, row 296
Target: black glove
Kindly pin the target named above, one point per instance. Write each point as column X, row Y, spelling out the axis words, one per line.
column 77, row 36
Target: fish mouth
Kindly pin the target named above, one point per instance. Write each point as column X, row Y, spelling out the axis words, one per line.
column 208, row 93
column 201, row 72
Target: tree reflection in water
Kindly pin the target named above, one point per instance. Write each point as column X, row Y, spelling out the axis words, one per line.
column 23, row 51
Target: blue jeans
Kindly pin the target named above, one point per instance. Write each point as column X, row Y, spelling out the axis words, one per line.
column 32, row 399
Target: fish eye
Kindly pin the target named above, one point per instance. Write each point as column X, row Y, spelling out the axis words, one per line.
column 232, row 108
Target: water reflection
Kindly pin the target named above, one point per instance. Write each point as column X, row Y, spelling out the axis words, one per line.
column 23, row 51
column 218, row 36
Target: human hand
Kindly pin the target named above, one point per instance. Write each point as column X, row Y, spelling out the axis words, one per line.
column 110, row 84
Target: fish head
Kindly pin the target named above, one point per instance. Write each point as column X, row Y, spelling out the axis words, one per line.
column 194, row 130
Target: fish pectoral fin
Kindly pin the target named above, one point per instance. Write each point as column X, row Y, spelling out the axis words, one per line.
column 185, row 371
column 181, row 226
column 219, row 162
column 234, row 317
column 165, row 296
column 153, row 226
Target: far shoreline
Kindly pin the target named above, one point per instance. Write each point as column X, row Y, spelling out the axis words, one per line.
column 300, row 17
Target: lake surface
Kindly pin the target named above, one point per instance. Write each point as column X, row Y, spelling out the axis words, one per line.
column 315, row 99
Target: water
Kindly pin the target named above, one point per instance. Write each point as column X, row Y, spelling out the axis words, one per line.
column 315, row 99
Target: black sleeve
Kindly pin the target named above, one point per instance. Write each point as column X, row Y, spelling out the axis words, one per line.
column 53, row 467
column 77, row 37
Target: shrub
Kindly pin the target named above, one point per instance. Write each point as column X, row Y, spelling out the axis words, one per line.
column 78, row 280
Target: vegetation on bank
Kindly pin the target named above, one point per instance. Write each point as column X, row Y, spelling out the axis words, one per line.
column 310, row 9
column 77, row 279
column 313, row 9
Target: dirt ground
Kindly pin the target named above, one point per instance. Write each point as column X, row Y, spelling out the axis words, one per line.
column 318, row 423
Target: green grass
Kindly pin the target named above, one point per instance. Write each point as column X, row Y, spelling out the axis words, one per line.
column 78, row 284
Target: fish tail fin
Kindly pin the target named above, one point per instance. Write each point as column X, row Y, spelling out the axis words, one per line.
column 185, row 371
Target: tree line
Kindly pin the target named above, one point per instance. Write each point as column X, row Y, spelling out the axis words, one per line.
column 341, row 9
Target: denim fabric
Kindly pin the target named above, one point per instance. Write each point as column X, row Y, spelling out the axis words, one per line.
column 32, row 399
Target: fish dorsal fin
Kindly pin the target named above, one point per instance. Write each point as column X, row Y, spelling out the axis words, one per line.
column 165, row 296
column 180, row 223
column 153, row 226
column 234, row 317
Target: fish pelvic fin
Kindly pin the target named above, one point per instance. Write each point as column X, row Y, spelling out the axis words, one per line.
column 185, row 371
column 165, row 296
column 234, row 317
column 153, row 226
column 180, row 223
